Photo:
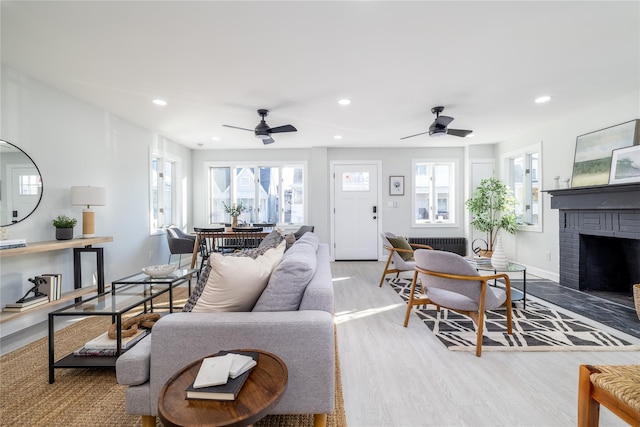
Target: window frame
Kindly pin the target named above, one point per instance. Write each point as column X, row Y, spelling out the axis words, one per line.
column 162, row 159
column 508, row 177
column 256, row 167
column 453, row 186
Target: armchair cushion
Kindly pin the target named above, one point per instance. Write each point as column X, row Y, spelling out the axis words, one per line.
column 401, row 243
column 235, row 283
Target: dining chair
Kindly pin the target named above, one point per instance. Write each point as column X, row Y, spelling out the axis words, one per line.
column 245, row 237
column 179, row 243
column 451, row 282
column 209, row 240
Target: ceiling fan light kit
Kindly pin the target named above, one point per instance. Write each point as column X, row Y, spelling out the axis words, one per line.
column 439, row 126
column 263, row 131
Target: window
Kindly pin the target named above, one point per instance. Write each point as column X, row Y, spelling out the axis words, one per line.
column 29, row 185
column 272, row 194
column 162, row 193
column 524, row 176
column 433, row 193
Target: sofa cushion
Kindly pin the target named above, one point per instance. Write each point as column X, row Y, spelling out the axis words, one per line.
column 401, row 243
column 290, row 278
column 251, row 252
column 235, row 283
column 272, row 239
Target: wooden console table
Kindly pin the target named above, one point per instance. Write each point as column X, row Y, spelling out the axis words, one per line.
column 79, row 246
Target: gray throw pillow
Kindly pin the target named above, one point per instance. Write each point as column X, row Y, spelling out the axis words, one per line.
column 271, row 240
column 289, row 279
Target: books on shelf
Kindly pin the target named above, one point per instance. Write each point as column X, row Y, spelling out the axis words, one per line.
column 103, row 342
column 53, row 286
column 13, row 243
column 28, row 305
column 240, row 363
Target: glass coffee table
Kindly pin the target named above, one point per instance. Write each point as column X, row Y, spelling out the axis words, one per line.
column 516, row 294
column 133, row 293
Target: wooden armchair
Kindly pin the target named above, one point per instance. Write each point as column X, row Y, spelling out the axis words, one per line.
column 615, row 387
column 399, row 249
column 451, row 282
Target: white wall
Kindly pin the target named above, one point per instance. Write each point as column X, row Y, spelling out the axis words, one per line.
column 74, row 143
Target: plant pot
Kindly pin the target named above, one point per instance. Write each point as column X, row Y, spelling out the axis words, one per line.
column 64, row 233
column 636, row 298
column 234, row 221
column 499, row 259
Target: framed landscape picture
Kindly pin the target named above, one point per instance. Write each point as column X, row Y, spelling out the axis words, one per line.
column 594, row 151
column 625, row 165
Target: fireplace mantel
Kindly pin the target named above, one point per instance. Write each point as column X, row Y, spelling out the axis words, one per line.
column 619, row 196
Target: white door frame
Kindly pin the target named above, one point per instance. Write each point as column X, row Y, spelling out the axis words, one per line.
column 332, row 207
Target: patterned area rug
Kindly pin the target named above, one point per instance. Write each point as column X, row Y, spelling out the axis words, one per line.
column 538, row 328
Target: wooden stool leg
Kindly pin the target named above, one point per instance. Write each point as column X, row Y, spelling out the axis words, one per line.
column 588, row 408
column 319, row 420
column 148, row 421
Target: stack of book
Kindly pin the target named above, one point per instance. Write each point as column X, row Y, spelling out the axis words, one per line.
column 479, row 261
column 222, row 376
column 105, row 346
column 13, row 243
column 26, row 305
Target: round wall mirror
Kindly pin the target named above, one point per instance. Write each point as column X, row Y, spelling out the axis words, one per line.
column 20, row 184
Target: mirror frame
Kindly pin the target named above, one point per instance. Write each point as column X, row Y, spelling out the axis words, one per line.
column 41, row 182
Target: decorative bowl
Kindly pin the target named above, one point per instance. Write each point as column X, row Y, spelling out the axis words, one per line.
column 159, row 270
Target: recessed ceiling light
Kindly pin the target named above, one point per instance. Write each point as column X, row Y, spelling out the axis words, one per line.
column 161, row 102
column 471, row 135
column 542, row 99
column 337, row 137
column 215, row 138
column 344, row 101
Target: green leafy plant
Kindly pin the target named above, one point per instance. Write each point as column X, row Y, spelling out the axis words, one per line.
column 233, row 209
column 493, row 207
column 63, row 221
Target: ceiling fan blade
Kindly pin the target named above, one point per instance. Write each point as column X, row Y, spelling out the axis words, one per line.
column 411, row 136
column 268, row 141
column 236, row 127
column 459, row 132
column 285, row 128
column 443, row 121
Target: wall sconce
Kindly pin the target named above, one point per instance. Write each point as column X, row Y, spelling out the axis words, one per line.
column 88, row 196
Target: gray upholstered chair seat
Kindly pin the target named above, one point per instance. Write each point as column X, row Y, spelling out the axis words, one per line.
column 494, row 298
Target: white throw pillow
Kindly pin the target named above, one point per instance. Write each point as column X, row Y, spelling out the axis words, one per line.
column 235, row 283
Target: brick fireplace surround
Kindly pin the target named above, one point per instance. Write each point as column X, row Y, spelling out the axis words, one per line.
column 599, row 237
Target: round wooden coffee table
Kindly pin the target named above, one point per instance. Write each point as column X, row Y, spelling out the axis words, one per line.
column 263, row 389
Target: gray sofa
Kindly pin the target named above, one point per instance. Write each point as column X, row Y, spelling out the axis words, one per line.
column 303, row 338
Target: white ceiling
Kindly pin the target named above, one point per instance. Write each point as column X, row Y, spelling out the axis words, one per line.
column 217, row 62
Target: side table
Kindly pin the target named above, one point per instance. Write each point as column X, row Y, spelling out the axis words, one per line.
column 512, row 267
column 263, row 389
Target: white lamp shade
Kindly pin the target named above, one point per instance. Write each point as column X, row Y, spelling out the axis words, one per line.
column 88, row 196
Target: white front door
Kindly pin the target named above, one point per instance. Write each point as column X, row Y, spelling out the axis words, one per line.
column 356, row 212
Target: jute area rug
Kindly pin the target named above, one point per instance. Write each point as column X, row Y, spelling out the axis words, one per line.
column 84, row 397
column 538, row 328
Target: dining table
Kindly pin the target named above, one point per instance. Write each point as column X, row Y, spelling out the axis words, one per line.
column 225, row 232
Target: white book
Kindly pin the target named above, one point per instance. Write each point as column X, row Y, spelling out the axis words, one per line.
column 213, row 371
column 240, row 365
column 104, row 342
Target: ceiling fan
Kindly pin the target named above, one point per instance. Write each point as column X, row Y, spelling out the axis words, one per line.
column 263, row 131
column 439, row 126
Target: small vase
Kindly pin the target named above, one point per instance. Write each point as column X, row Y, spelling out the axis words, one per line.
column 234, row 221
column 64, row 233
column 499, row 259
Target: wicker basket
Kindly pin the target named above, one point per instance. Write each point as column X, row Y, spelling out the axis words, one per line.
column 636, row 297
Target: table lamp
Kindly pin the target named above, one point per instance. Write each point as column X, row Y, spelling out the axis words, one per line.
column 88, row 196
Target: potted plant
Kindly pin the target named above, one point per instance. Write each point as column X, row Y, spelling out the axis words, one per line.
column 235, row 211
column 493, row 208
column 64, row 227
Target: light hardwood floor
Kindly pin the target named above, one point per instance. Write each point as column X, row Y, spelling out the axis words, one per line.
column 396, row 376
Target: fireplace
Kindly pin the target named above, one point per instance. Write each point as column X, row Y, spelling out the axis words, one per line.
column 599, row 237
